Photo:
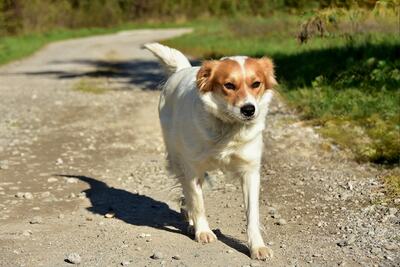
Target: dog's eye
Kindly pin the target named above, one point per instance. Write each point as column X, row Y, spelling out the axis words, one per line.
column 255, row 85
column 229, row 86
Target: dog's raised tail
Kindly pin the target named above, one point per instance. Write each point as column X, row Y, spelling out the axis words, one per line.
column 172, row 59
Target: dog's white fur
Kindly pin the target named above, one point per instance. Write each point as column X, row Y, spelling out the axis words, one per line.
column 203, row 133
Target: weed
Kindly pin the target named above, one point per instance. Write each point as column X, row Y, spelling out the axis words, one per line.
column 90, row 86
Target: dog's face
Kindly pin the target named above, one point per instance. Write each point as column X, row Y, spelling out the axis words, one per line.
column 233, row 88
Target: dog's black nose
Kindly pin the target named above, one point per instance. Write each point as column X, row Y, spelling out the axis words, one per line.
column 248, row 110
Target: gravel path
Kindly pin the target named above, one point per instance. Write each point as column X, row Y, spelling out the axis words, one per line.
column 82, row 177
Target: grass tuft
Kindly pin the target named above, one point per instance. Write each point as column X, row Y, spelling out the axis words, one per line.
column 90, row 86
column 392, row 183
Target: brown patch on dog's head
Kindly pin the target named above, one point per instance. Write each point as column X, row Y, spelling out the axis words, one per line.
column 205, row 75
column 235, row 78
column 269, row 72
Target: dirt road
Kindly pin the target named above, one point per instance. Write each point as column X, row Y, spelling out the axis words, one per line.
column 80, row 141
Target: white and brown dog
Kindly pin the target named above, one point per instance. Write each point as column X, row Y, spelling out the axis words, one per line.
column 212, row 117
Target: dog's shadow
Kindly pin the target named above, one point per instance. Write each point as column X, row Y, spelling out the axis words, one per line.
column 141, row 210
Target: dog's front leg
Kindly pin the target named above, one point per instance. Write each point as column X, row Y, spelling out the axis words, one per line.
column 251, row 188
column 192, row 189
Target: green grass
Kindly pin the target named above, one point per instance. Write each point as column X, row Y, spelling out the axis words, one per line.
column 17, row 47
column 90, row 86
column 346, row 83
column 392, row 182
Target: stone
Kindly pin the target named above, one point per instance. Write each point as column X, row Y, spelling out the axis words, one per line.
column 36, row 220
column 157, row 256
column 392, row 211
column 28, row 195
column 71, row 180
column 73, row 258
column 19, row 195
column 45, row 194
column 390, row 246
column 176, row 257
column 27, row 233
column 281, row 222
column 271, row 210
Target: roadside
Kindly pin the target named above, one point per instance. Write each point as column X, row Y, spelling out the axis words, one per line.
column 93, row 164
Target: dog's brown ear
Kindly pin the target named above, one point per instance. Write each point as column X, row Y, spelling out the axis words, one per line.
column 269, row 72
column 204, row 76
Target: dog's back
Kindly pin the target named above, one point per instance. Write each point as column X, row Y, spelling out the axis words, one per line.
column 172, row 106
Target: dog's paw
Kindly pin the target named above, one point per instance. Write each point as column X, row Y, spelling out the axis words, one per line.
column 205, row 237
column 261, row 253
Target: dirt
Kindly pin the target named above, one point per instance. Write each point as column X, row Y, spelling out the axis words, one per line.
column 82, row 177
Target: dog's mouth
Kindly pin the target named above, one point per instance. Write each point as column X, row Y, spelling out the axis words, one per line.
column 234, row 117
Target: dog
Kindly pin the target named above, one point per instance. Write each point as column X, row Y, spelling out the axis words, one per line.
column 212, row 117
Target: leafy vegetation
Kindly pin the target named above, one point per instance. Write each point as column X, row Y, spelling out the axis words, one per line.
column 344, row 79
column 28, row 16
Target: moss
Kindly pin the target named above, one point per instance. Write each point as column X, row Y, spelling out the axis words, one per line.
column 90, row 86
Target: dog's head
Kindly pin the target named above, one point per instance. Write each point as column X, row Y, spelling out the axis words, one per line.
column 236, row 88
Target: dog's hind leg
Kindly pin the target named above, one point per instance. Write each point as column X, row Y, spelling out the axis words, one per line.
column 192, row 190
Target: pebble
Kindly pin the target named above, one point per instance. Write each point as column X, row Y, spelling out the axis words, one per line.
column 143, row 235
column 229, row 251
column 19, row 195
column 28, row 195
column 71, row 180
column 109, row 215
column 345, row 242
column 271, row 210
column 36, row 220
column 45, row 194
column 4, row 165
column 176, row 257
column 157, row 256
column 52, row 180
column 27, row 233
column 125, row 263
column 390, row 246
column 276, row 216
column 281, row 222
column 392, row 211
column 376, row 251
column 73, row 258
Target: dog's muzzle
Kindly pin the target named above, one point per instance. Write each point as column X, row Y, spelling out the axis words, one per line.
column 248, row 110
